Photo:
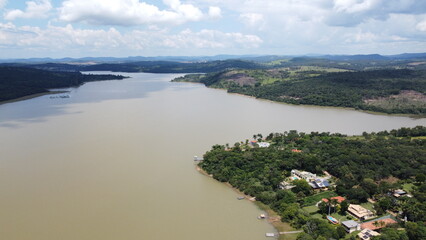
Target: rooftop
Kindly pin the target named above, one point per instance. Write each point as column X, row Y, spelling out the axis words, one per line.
column 350, row 224
column 338, row 198
column 366, row 234
column 378, row 224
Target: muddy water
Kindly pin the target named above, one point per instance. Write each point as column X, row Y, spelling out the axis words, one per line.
column 114, row 161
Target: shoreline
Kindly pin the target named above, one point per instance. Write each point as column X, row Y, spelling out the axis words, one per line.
column 27, row 97
column 272, row 217
column 320, row 106
column 332, row 107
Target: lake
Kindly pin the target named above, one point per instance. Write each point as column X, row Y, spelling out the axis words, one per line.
column 115, row 159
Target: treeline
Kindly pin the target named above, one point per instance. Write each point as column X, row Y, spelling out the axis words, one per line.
column 150, row 66
column 16, row 82
column 338, row 89
column 173, row 67
column 361, row 165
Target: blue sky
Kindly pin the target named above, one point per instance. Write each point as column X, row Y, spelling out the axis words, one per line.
column 121, row 28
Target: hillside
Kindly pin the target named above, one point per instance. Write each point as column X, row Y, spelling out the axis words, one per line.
column 385, row 90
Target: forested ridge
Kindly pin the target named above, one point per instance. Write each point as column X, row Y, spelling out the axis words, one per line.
column 361, row 167
column 384, row 90
column 16, row 82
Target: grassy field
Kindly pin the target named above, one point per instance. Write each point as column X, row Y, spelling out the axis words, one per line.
column 312, row 210
column 405, row 99
column 339, row 217
column 368, row 206
column 311, row 200
column 408, row 187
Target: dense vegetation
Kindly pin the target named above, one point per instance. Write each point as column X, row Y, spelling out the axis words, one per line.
column 360, row 165
column 16, row 82
column 385, row 90
column 173, row 67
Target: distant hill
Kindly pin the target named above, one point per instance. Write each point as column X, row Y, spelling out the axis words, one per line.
column 376, row 57
column 147, row 66
column 251, row 57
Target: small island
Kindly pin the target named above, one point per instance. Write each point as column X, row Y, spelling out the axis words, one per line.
column 329, row 185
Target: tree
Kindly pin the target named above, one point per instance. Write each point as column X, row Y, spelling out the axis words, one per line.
column 341, row 232
column 344, row 207
column 358, row 194
column 317, row 227
column 286, row 196
column 333, row 203
column 420, row 177
column 391, row 234
column 304, row 236
column 369, row 186
column 385, row 203
column 415, row 231
column 301, row 186
column 323, row 207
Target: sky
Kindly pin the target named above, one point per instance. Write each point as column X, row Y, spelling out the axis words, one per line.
column 122, row 28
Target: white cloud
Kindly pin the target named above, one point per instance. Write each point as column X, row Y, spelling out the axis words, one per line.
column 211, row 39
column 130, row 12
column 54, row 39
column 421, row 26
column 255, row 20
column 34, row 9
column 350, row 13
column 215, row 12
column 2, row 3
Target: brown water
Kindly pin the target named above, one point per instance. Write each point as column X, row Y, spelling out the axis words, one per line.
column 114, row 161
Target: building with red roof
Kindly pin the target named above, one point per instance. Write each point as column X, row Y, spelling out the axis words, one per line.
column 338, row 198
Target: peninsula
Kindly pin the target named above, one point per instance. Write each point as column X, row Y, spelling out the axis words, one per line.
column 332, row 186
column 23, row 82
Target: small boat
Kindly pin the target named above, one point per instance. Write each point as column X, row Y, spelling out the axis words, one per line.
column 270, row 234
column 240, row 198
column 261, row 216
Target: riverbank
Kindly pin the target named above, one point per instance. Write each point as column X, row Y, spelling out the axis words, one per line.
column 420, row 116
column 32, row 96
column 324, row 99
column 272, row 217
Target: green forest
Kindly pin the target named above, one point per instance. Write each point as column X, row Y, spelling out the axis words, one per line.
column 393, row 91
column 371, row 165
column 16, row 82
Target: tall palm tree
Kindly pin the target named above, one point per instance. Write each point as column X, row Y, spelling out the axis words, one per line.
column 334, row 203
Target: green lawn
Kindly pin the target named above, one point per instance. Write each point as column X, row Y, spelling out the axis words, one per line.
column 408, row 187
column 310, row 209
column 422, row 137
column 312, row 200
column 368, row 206
column 339, row 217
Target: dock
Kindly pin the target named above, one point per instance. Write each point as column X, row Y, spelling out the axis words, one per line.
column 197, row 159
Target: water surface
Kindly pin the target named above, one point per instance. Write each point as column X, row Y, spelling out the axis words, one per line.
column 114, row 161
